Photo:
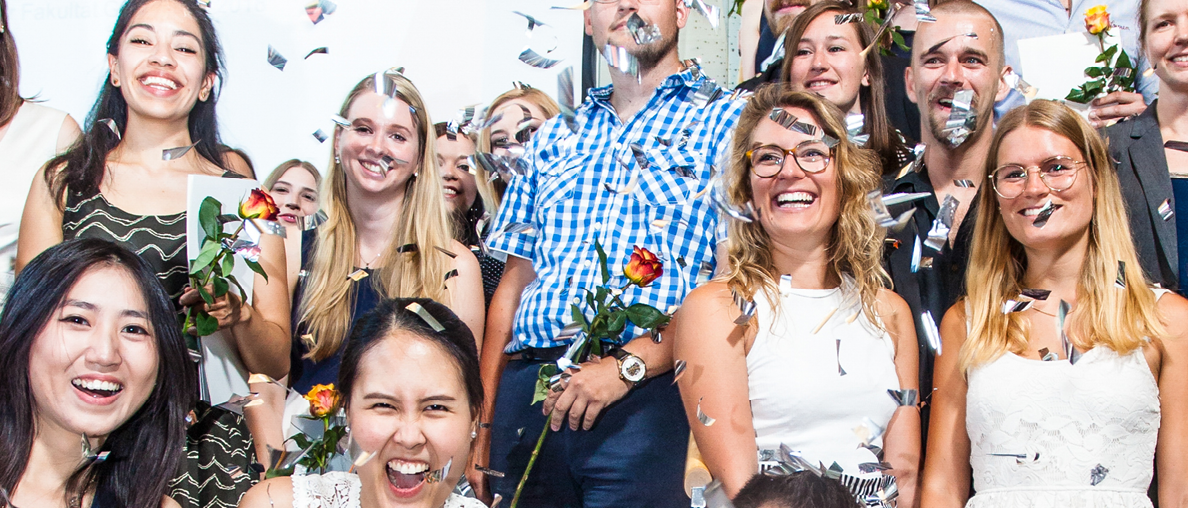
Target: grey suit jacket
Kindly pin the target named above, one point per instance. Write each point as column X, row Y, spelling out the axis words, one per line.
column 1136, row 146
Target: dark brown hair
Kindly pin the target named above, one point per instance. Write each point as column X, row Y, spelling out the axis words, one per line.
column 884, row 139
column 10, row 70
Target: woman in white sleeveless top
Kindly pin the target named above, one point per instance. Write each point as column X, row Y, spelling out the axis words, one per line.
column 811, row 370
column 409, row 383
column 30, row 135
column 1055, row 432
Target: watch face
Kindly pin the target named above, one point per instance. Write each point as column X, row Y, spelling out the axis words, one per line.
column 633, row 369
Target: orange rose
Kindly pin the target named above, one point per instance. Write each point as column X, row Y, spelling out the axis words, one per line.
column 877, row 4
column 258, row 205
column 1097, row 20
column 323, row 400
column 643, row 268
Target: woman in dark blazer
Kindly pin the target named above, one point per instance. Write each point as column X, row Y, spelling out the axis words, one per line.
column 1151, row 151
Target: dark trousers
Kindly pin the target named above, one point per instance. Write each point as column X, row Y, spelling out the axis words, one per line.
column 634, row 456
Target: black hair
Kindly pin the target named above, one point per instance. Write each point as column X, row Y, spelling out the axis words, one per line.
column 393, row 315
column 797, row 490
column 81, row 168
column 147, row 450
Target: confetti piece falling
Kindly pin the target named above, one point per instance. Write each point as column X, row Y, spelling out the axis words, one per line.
column 1165, row 210
column 1120, row 281
column 710, row 11
column 275, row 59
column 965, row 184
column 320, row 136
column 115, row 129
column 906, row 397
column 176, row 153
column 962, row 118
column 488, row 471
column 1098, row 474
column 641, row 31
column 439, row 475
column 1045, row 214
column 942, row 224
column 923, row 11
column 702, row 417
column 531, row 57
column 317, row 51
column 930, row 331
column 852, row 17
column 1037, row 294
column 425, row 316
column 678, row 370
column 745, row 306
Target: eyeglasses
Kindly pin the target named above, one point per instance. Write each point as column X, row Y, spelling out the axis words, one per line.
column 812, row 156
column 1058, row 173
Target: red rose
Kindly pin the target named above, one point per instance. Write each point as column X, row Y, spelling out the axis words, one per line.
column 643, row 268
column 258, row 205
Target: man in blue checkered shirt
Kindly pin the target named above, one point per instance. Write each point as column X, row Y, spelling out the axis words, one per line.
column 633, row 171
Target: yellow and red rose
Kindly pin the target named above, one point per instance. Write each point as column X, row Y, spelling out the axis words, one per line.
column 323, row 400
column 643, row 268
column 1097, row 19
column 258, row 205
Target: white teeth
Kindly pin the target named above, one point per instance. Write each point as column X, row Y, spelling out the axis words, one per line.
column 371, row 166
column 451, row 192
column 1180, row 59
column 403, row 467
column 794, row 198
column 819, row 84
column 95, row 384
column 159, row 81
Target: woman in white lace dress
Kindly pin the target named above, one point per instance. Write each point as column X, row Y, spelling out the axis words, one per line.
column 412, row 396
column 1035, row 427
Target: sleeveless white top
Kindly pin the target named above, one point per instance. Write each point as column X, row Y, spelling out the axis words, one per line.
column 1087, row 431
column 338, row 489
column 798, row 397
column 30, row 141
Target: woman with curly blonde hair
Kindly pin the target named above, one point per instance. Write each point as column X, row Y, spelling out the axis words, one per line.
column 1062, row 379
column 811, row 369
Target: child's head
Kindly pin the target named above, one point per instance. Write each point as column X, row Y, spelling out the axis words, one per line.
column 797, row 490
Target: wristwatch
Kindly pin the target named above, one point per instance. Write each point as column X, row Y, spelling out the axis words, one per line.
column 632, row 369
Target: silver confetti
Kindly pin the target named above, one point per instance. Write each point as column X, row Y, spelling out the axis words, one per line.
column 237, row 403
column 930, row 331
column 1070, row 349
column 519, row 227
column 962, row 119
column 1098, row 475
column 1045, row 213
column 710, row 11
column 309, row 222
column 790, row 122
column 641, row 31
column 115, row 129
column 697, row 497
column 317, row 51
column 871, row 467
column 855, row 122
column 1120, row 281
column 702, row 417
column 868, row 431
column 340, row 121
column 840, row 370
column 923, row 11
column 964, row 184
column 1036, row 294
column 425, row 316
column 717, row 196
column 903, row 197
column 936, row 47
column 176, row 153
column 747, row 307
column 320, row 136
column 579, row 7
column 1016, row 81
column 916, row 254
column 1012, row 306
column 439, row 475
column 906, row 397
column 531, row 57
column 939, row 234
column 1020, row 458
column 275, row 59
column 488, row 471
column 1165, row 210
column 532, row 21
column 619, row 59
column 706, row 93
column 678, row 370
column 852, row 17
column 1047, row 356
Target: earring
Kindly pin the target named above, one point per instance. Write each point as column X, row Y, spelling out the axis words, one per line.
column 336, row 160
column 115, row 82
column 473, row 434
column 203, row 95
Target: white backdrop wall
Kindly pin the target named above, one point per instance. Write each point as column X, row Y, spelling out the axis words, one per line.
column 458, row 52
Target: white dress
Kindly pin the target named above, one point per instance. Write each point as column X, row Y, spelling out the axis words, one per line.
column 1084, row 434
column 800, row 399
column 338, row 489
column 30, row 141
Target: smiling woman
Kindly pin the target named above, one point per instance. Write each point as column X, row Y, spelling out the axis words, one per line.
column 411, row 392
column 85, row 337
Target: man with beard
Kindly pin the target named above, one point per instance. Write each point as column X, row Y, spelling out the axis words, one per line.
column 629, row 169
column 962, row 50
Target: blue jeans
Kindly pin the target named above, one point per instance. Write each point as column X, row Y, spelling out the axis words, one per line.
column 634, row 456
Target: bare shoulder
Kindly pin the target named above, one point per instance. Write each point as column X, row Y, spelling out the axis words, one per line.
column 273, row 492
column 892, row 307
column 1173, row 311
column 168, row 502
column 710, row 296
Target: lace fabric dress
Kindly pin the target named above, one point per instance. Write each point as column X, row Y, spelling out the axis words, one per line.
column 337, row 489
column 1055, row 434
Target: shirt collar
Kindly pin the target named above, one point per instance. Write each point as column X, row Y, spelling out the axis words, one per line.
column 690, row 77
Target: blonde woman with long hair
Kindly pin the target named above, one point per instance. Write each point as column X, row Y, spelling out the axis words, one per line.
column 387, row 232
column 827, row 340
column 524, row 109
column 1034, row 426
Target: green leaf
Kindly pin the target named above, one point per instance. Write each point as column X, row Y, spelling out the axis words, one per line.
column 206, row 296
column 256, row 268
column 600, row 297
column 302, row 441
column 598, row 327
column 220, row 286
column 273, row 473
column 210, row 250
column 205, row 323
column 1108, row 55
column 242, row 293
column 616, row 323
column 596, row 348
column 899, row 40
column 228, row 217
column 542, row 382
column 602, row 263
column 1095, row 72
column 208, row 217
column 228, row 264
column 646, row 316
column 1123, row 61
column 579, row 317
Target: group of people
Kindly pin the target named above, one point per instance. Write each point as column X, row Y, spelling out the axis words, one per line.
column 995, row 320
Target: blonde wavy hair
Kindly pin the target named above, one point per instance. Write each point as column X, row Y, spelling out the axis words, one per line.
column 326, row 302
column 492, row 192
column 856, row 244
column 1105, row 315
